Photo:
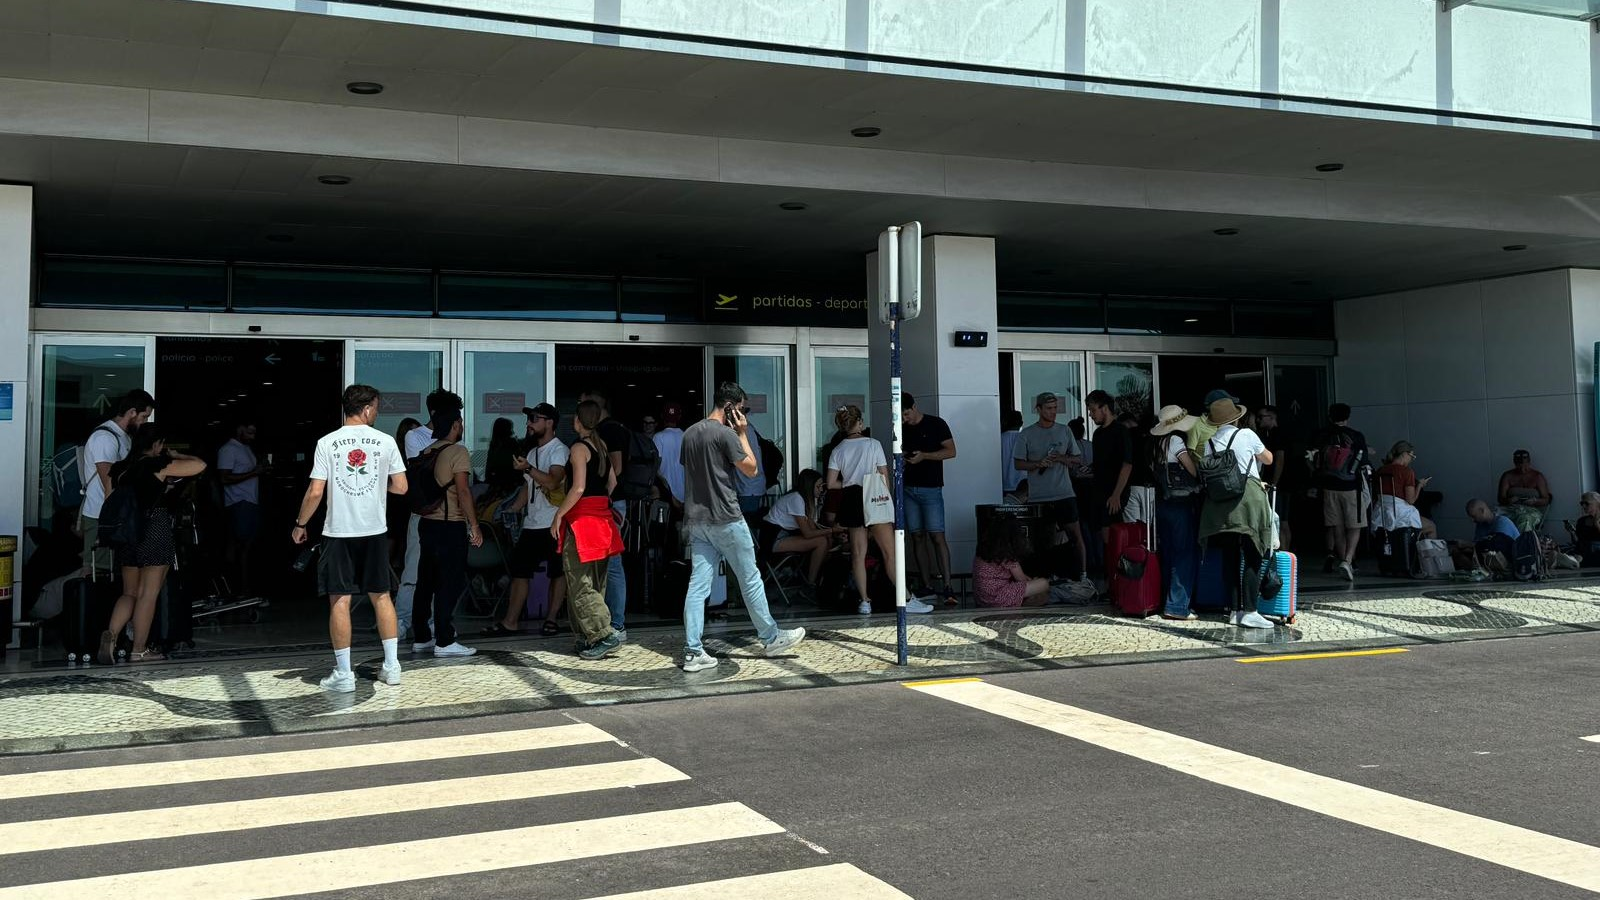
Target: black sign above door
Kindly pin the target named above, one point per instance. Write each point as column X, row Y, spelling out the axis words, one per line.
column 735, row 304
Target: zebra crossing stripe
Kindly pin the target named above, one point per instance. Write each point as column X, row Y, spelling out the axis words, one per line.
column 268, row 812
column 817, row 883
column 465, row 854
column 289, row 762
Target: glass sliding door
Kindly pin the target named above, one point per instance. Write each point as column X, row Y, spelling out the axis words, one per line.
column 841, row 379
column 1131, row 381
column 764, row 374
column 496, row 380
column 80, row 380
column 1059, row 373
column 406, row 372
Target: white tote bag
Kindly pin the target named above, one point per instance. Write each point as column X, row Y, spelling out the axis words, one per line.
column 877, row 504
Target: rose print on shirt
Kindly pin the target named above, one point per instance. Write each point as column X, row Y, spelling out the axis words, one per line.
column 356, row 462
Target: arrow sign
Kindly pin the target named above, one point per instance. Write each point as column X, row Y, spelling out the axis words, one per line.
column 102, row 402
column 271, row 359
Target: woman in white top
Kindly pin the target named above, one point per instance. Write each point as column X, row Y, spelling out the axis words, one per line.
column 791, row 524
column 1242, row 526
column 856, row 457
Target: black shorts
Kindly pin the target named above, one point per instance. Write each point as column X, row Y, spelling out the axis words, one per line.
column 1061, row 513
column 358, row 565
column 852, row 509
column 534, row 546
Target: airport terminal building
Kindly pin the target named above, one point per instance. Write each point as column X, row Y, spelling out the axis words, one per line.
column 242, row 205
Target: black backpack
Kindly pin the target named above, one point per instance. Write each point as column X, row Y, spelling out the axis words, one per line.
column 639, row 470
column 771, row 462
column 424, row 493
column 1219, row 471
column 1527, row 557
column 119, row 520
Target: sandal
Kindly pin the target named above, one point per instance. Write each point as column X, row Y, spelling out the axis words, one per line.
column 499, row 630
column 550, row 629
column 146, row 656
column 951, row 601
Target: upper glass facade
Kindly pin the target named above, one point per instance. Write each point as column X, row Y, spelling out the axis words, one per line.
column 1511, row 64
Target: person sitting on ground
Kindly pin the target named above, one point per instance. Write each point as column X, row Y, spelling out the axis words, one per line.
column 998, row 578
column 1494, row 533
column 1398, row 489
column 791, row 524
column 1586, row 534
column 1524, row 493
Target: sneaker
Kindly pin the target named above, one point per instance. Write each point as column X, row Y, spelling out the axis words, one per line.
column 456, row 649
column 1346, row 571
column 1235, row 618
column 698, row 661
column 1189, row 618
column 1254, row 620
column 602, row 648
column 622, row 635
column 424, row 647
column 913, row 605
column 339, row 682
column 864, row 607
column 389, row 674
column 108, row 643
column 786, row 639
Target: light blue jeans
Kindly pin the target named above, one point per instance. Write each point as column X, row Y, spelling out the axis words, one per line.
column 617, row 580
column 709, row 545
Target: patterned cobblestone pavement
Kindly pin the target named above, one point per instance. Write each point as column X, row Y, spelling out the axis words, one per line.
column 221, row 697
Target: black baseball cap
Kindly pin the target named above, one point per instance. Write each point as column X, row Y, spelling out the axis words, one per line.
column 543, row 411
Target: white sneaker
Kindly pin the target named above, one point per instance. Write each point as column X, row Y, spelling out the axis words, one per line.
column 389, row 674
column 1236, row 617
column 699, row 662
column 1346, row 571
column 455, row 649
column 622, row 635
column 864, row 607
column 913, row 605
column 787, row 638
column 339, row 682
column 1254, row 620
column 424, row 647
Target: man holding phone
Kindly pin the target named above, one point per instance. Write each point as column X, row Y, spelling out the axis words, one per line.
column 1046, row 451
column 714, row 449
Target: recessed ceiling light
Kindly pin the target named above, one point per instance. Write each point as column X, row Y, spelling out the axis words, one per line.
column 866, row 131
column 1330, row 167
column 1512, row 248
column 793, row 205
column 364, row 87
column 335, row 180
column 1226, row 232
column 280, row 238
column 1190, row 321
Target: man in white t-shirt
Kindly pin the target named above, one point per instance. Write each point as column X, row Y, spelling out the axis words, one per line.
column 544, row 475
column 417, row 440
column 669, row 443
column 364, row 465
column 108, row 445
column 241, row 473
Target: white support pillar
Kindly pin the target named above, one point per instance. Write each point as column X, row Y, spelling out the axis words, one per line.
column 16, row 285
column 959, row 384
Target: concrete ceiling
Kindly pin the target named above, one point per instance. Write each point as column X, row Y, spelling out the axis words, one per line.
column 108, row 198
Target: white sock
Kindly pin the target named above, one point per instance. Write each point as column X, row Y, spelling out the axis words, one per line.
column 391, row 651
column 341, row 660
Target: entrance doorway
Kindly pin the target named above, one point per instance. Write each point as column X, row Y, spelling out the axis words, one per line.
column 1186, row 380
column 637, row 381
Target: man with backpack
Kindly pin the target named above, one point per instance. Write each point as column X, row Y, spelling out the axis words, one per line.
column 1340, row 468
column 416, row 439
column 364, row 465
column 441, row 493
column 107, row 445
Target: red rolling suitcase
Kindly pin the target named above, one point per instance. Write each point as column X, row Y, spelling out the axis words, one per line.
column 1134, row 573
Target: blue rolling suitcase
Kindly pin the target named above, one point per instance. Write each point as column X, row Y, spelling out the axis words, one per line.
column 1211, row 587
column 1283, row 605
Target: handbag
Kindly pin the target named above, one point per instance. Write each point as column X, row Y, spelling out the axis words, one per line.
column 556, row 495
column 1271, row 581
column 877, row 505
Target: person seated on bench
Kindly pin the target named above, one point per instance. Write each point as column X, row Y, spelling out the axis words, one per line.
column 997, row 575
column 1494, row 532
column 1524, row 492
column 1398, row 489
column 791, row 524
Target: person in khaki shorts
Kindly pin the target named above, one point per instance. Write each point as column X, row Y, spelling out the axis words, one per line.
column 1341, row 466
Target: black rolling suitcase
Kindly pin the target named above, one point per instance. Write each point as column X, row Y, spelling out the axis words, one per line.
column 85, row 611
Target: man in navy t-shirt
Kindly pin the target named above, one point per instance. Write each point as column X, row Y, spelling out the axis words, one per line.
column 928, row 443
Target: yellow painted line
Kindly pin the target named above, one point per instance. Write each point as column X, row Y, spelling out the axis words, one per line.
column 818, row 883
column 268, row 812
column 1511, row 846
column 1290, row 657
column 919, row 684
column 289, row 762
column 395, row 863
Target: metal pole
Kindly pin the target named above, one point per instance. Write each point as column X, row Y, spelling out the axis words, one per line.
column 901, row 651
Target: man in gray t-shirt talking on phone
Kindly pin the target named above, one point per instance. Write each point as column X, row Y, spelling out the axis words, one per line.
column 1046, row 451
column 713, row 449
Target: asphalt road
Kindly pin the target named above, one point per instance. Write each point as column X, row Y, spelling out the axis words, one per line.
column 933, row 798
